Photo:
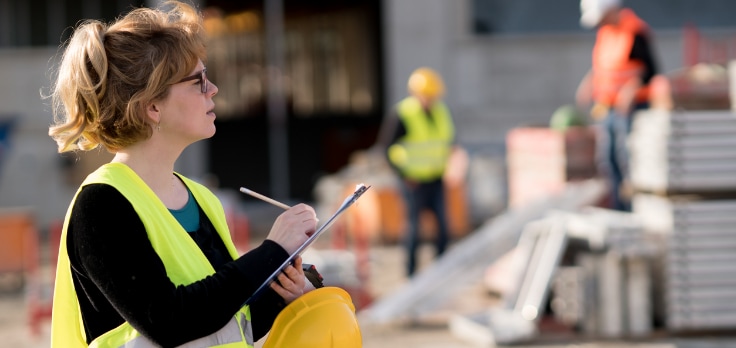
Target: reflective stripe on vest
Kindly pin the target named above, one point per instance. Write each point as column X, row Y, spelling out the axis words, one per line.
column 612, row 66
column 426, row 146
column 183, row 259
column 233, row 334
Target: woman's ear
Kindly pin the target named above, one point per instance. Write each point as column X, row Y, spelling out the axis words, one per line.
column 153, row 113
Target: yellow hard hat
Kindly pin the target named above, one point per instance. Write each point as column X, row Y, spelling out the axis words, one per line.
column 427, row 83
column 321, row 318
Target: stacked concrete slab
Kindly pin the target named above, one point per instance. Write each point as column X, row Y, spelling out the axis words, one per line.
column 683, row 168
column 676, row 152
column 700, row 291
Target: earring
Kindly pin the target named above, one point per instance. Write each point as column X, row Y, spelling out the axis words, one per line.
column 158, row 126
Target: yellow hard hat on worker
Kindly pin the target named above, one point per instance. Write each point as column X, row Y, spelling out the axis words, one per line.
column 426, row 83
column 321, row 318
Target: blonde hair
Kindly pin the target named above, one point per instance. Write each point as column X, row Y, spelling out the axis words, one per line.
column 109, row 73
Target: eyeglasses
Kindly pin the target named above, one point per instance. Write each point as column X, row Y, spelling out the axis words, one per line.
column 201, row 76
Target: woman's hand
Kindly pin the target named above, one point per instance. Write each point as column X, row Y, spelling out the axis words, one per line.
column 291, row 282
column 292, row 228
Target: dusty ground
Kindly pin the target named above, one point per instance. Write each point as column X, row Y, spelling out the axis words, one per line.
column 385, row 275
column 16, row 332
column 14, row 328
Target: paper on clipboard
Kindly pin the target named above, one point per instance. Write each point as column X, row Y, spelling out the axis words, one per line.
column 360, row 189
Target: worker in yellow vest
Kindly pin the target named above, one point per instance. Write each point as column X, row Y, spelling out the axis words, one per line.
column 146, row 258
column 617, row 85
column 419, row 150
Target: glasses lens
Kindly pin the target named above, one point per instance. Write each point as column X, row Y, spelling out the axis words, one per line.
column 204, row 81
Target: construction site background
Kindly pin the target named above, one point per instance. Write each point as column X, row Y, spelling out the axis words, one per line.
column 524, row 185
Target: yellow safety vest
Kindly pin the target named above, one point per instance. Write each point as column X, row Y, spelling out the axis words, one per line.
column 422, row 153
column 184, row 261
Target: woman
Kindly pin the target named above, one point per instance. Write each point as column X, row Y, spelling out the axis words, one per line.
column 146, row 258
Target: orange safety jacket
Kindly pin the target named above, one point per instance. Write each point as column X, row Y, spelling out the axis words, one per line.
column 612, row 67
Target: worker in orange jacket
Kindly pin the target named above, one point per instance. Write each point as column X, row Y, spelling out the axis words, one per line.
column 616, row 86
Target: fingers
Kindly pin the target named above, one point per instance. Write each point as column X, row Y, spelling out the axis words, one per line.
column 291, row 282
column 301, row 216
column 307, row 215
column 287, row 295
column 295, row 274
column 293, row 227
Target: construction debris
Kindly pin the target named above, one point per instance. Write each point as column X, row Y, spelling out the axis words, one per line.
column 607, row 292
column 465, row 262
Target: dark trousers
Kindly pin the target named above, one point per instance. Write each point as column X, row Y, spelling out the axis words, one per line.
column 417, row 197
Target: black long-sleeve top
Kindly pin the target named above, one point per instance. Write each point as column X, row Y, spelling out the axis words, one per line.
column 119, row 277
column 641, row 50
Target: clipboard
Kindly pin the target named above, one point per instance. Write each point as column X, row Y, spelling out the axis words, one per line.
column 359, row 190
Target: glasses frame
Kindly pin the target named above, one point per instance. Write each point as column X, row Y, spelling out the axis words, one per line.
column 201, row 76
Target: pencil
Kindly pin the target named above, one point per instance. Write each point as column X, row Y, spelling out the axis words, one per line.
column 264, row 198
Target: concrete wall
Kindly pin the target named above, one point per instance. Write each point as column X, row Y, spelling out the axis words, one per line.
column 494, row 83
column 32, row 174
